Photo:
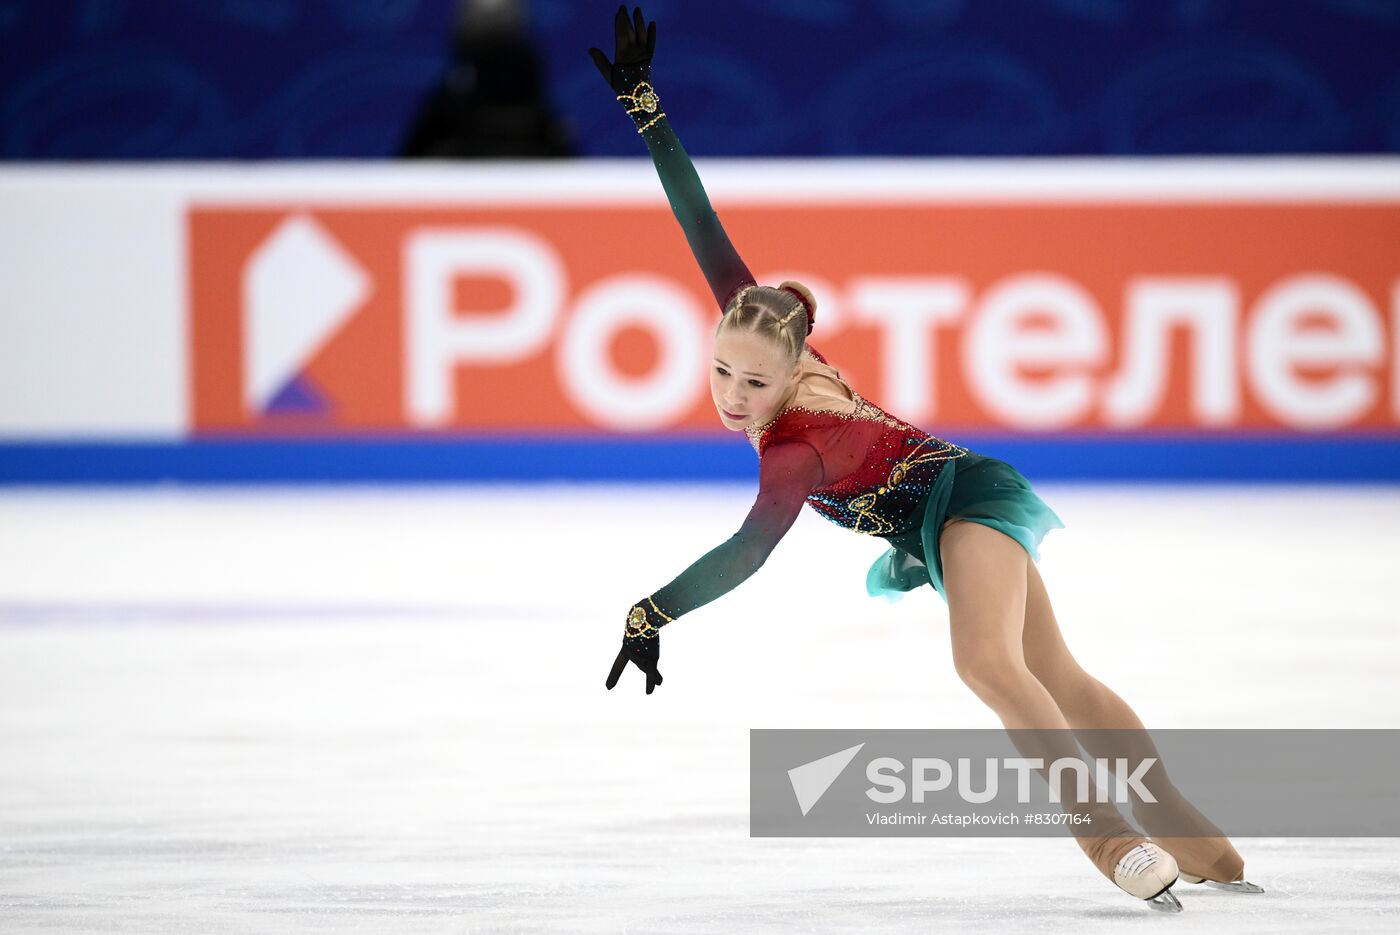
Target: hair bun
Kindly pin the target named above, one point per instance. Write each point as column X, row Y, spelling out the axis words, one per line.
column 809, row 301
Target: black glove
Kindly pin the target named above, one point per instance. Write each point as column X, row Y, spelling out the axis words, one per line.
column 631, row 64
column 641, row 642
column 644, row 651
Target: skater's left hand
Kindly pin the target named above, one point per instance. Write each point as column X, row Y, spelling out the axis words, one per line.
column 644, row 653
column 635, row 42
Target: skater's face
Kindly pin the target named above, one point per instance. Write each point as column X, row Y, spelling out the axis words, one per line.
column 749, row 378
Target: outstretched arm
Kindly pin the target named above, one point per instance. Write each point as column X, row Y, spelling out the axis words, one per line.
column 788, row 471
column 629, row 76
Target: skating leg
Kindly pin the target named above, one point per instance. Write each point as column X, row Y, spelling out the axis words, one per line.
column 985, row 581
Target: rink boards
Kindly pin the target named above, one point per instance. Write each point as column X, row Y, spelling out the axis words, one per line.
column 1180, row 319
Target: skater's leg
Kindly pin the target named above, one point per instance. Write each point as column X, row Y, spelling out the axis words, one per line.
column 1006, row 644
column 1085, row 701
column 984, row 577
column 984, row 582
column 1091, row 707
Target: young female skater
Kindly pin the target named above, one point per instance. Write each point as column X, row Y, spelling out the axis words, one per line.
column 967, row 524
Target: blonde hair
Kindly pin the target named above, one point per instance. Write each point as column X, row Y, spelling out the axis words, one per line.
column 779, row 314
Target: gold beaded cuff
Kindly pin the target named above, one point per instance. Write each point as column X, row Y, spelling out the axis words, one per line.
column 645, row 619
column 643, row 100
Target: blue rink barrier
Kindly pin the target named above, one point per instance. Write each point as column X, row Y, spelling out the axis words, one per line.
column 392, row 459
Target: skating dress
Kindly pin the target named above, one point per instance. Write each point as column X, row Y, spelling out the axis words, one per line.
column 829, row 447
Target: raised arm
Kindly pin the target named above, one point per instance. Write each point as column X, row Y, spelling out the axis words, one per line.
column 788, row 471
column 629, row 75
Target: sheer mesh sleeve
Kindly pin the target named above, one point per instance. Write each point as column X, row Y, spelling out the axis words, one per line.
column 724, row 269
column 787, row 473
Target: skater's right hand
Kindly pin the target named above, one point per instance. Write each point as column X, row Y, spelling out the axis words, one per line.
column 635, row 41
column 642, row 652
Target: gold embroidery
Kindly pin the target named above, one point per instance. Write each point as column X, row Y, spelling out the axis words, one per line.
column 862, row 507
column 643, row 100
column 942, row 454
column 638, row 624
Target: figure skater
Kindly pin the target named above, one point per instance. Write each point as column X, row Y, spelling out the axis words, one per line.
column 964, row 523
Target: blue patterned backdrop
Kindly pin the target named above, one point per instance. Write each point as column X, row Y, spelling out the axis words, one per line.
column 142, row 79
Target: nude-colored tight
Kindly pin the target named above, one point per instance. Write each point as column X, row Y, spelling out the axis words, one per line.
column 1007, row 647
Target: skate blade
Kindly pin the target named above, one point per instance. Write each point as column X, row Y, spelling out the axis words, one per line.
column 1240, row 886
column 1164, row 902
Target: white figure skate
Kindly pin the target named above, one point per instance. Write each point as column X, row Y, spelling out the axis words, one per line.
column 1148, row 872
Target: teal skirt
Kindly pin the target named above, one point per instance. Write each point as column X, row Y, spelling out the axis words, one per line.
column 975, row 488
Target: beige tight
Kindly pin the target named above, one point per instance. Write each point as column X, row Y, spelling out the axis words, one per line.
column 1007, row 647
column 1007, row 644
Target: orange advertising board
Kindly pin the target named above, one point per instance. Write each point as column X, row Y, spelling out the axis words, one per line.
column 969, row 316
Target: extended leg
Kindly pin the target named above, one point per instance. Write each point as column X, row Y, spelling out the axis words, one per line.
column 984, row 577
column 1091, row 708
column 1085, row 701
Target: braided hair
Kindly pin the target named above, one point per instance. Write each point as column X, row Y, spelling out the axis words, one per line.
column 783, row 314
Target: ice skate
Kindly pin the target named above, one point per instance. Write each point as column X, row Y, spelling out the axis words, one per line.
column 1138, row 867
column 1210, row 860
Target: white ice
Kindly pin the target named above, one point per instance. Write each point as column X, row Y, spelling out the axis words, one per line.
column 366, row 710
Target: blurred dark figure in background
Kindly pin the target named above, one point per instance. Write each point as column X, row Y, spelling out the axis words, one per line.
column 490, row 103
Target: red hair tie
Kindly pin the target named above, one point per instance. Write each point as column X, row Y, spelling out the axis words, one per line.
column 804, row 295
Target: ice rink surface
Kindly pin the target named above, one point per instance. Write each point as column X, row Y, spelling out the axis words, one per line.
column 367, row 710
